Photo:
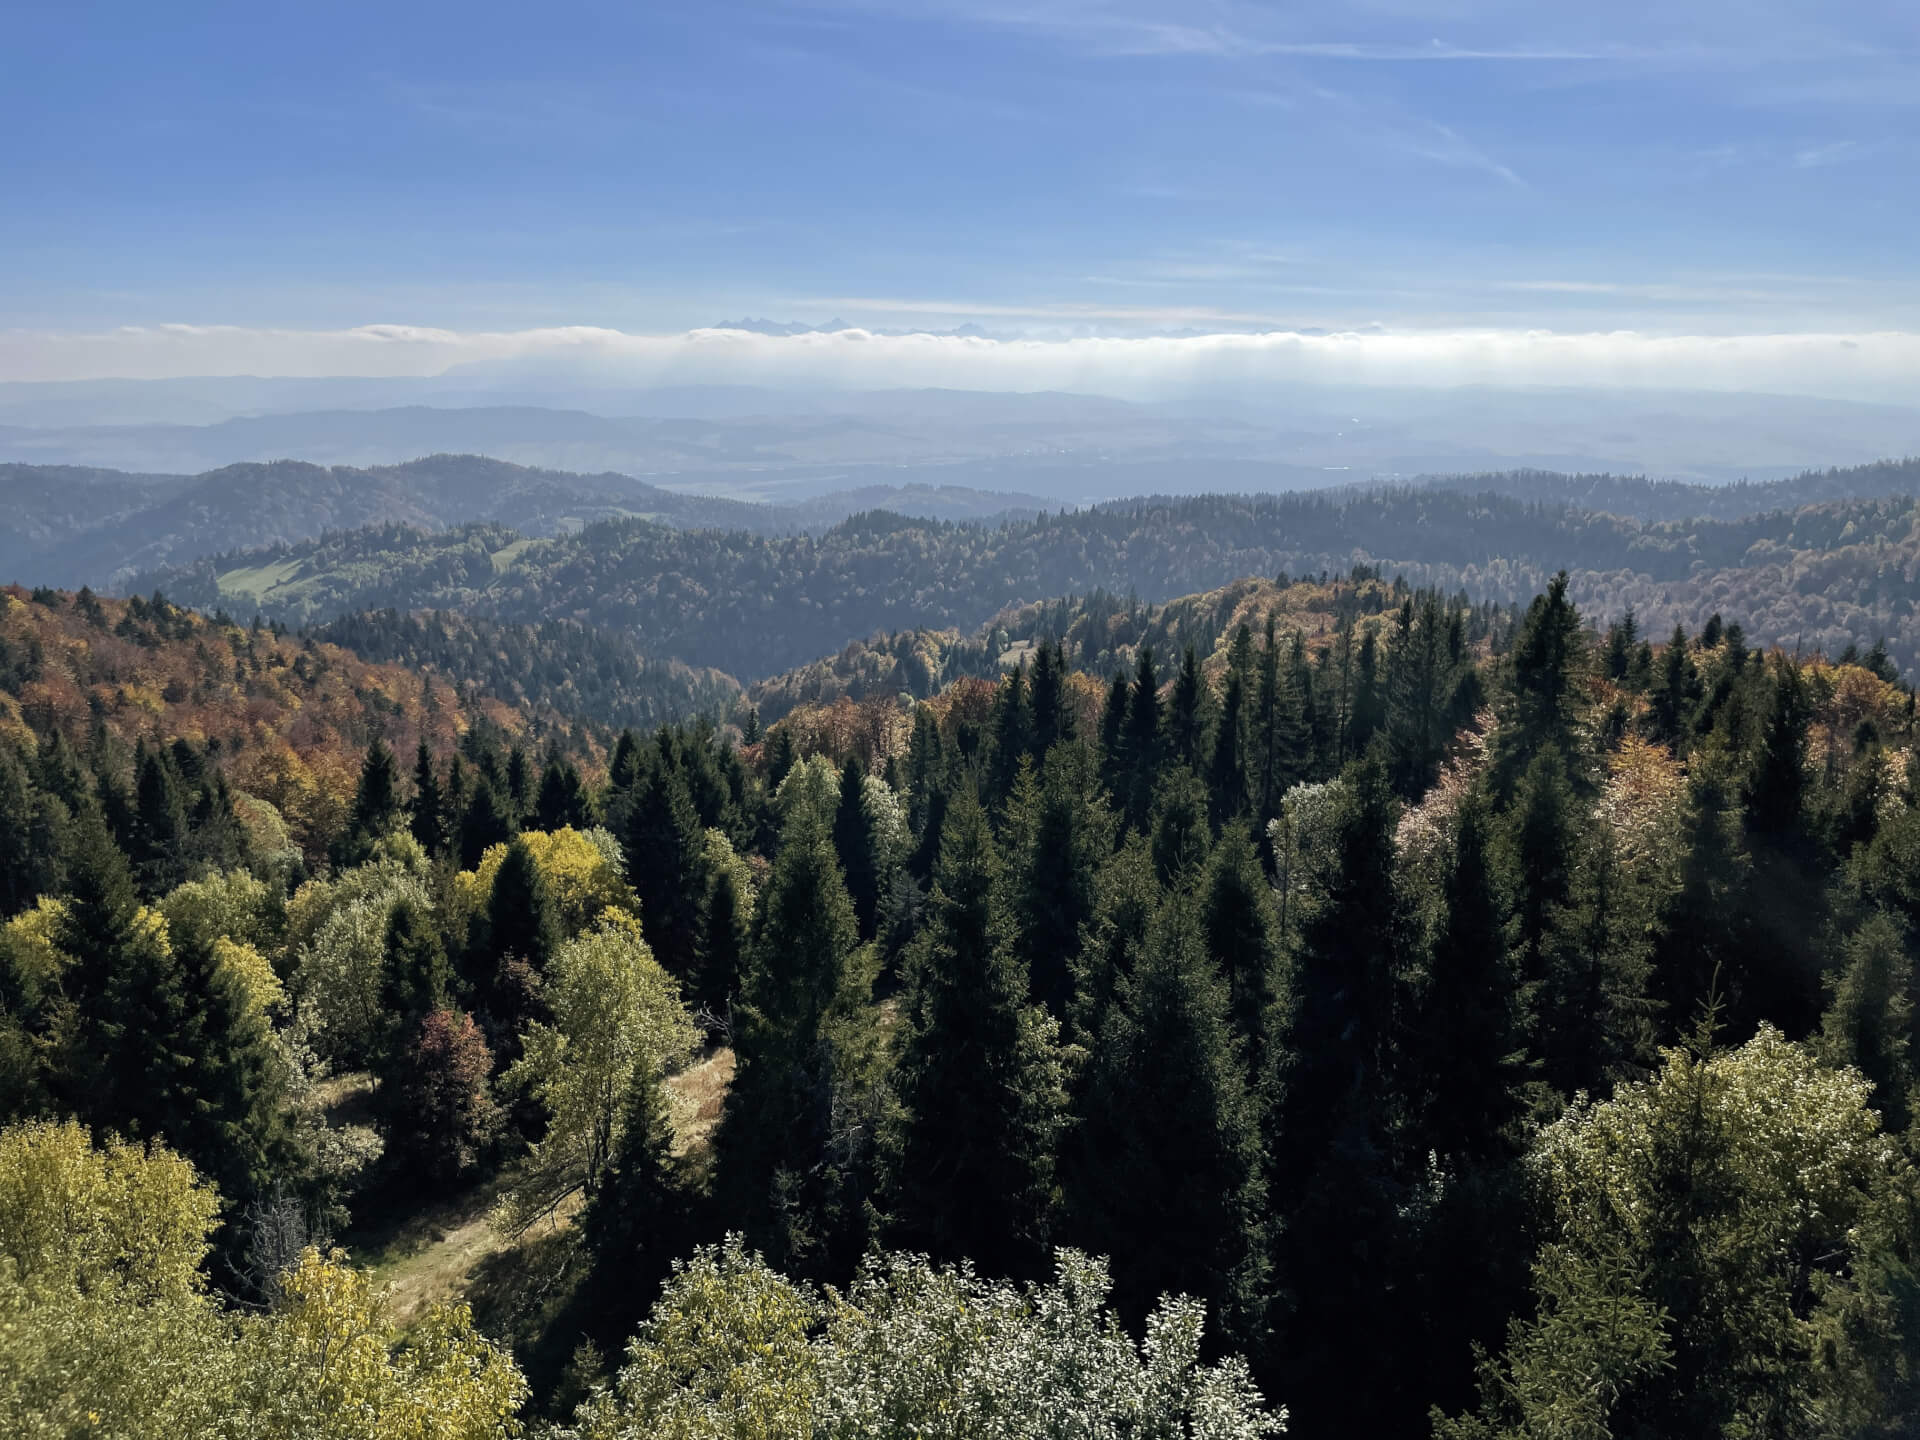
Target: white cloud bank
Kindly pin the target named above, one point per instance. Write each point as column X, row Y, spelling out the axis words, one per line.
column 1877, row 366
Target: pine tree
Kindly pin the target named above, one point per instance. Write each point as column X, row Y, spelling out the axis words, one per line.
column 1367, row 709
column 788, row 1176
column 427, row 817
column 484, row 823
column 638, row 1220
column 1468, row 1032
column 1053, row 718
column 1187, row 714
column 969, row 1161
column 1059, row 832
column 158, row 834
column 854, row 844
column 1227, row 778
column 376, row 802
column 1537, row 710
column 1012, row 738
column 1143, row 742
column 562, row 801
column 665, row 864
column 1167, row 1173
column 1113, row 737
column 723, row 944
column 1241, row 933
column 1181, row 834
column 415, row 978
column 1869, row 1023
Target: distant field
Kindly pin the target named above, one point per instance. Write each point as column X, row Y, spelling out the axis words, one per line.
column 258, row 582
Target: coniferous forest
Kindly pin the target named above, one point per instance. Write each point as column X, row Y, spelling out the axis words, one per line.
column 1329, row 1006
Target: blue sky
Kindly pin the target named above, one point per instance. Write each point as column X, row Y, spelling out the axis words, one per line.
column 1051, row 169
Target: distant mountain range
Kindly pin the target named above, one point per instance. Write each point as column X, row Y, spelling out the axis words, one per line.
column 79, row 525
column 773, row 445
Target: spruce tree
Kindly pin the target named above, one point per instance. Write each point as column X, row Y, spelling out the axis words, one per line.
column 637, row 1222
column 1053, row 718
column 1181, row 833
column 787, row 1177
column 1143, row 742
column 162, row 1042
column 1467, row 1041
column 1241, row 933
column 484, row 823
column 427, row 815
column 1187, row 714
column 1167, row 1172
column 1012, row 739
column 520, row 919
column 1059, row 833
column 969, row 1160
column 1332, row 1120
column 23, row 872
column 158, row 834
column 1538, row 708
column 562, row 801
column 1113, row 737
column 853, row 842
column 723, row 944
column 1367, row 707
column 1227, row 780
column 414, row 977
column 665, row 864
column 1869, row 1023
column 376, row 801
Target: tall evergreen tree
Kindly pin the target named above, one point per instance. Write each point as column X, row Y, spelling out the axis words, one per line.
column 1367, row 706
column 562, row 800
column 853, row 842
column 1333, row 1121
column 723, row 943
column 1227, row 777
column 1167, row 1176
column 1012, row 737
column 485, row 821
column 427, row 815
column 1241, row 933
column 1187, row 714
column 1143, row 743
column 969, row 1161
column 1869, row 1023
column 1059, row 833
column 1468, row 1032
column 639, row 1218
column 664, row 849
column 790, row 1176
column 1053, row 717
column 158, row 835
column 1538, row 707
column 376, row 808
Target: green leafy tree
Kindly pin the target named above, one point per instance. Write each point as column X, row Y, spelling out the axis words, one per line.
column 1713, row 1263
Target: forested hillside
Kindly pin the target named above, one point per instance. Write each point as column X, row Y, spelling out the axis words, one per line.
column 1666, row 500
column 1492, row 1025
column 68, row 525
column 1817, row 578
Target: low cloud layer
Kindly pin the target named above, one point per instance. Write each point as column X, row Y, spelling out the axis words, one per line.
column 1879, row 366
